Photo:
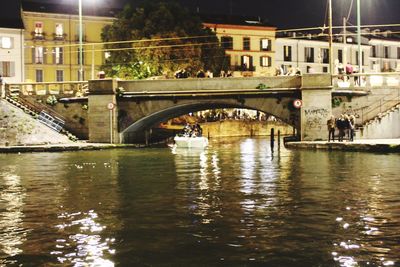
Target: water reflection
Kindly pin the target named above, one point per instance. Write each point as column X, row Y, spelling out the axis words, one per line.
column 12, row 232
column 84, row 245
column 232, row 204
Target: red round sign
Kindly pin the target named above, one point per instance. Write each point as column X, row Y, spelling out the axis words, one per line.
column 297, row 103
column 110, row 106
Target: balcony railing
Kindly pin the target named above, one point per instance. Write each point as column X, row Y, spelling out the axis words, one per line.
column 74, row 88
column 243, row 68
column 38, row 35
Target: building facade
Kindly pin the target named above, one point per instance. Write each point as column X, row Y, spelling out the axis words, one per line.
column 12, row 54
column 385, row 54
column 52, row 43
column 249, row 44
column 311, row 55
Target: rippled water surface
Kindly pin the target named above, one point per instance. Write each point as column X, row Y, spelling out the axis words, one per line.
column 235, row 204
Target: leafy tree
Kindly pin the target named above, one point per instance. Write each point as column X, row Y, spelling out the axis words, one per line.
column 165, row 38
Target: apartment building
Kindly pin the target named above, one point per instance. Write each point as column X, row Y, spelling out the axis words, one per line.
column 249, row 43
column 12, row 50
column 52, row 41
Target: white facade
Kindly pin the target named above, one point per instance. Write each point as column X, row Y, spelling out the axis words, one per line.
column 313, row 55
column 385, row 54
column 12, row 55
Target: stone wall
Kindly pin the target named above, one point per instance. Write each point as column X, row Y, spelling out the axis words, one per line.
column 19, row 128
column 385, row 127
column 234, row 128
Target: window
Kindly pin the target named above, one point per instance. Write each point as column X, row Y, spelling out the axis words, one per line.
column 398, row 52
column 6, row 42
column 287, row 53
column 39, row 76
column 246, row 43
column 309, row 54
column 83, row 56
column 227, row 42
column 374, row 49
column 247, row 63
column 39, row 56
column 340, row 55
column 38, row 29
column 7, row 68
column 386, row 51
column 265, row 61
column 60, row 75
column 58, row 55
column 59, row 30
column 77, row 32
column 325, row 69
column 325, row 55
column 265, row 45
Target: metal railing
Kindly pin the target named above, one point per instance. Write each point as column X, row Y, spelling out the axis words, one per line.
column 366, row 80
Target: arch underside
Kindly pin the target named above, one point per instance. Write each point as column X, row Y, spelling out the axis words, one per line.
column 273, row 107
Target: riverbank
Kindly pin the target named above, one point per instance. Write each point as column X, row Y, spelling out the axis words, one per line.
column 64, row 147
column 366, row 145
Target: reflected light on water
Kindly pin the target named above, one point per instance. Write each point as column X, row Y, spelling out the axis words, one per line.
column 12, row 234
column 247, row 157
column 88, row 247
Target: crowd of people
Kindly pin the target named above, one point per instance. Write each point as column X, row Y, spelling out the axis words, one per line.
column 192, row 130
column 345, row 125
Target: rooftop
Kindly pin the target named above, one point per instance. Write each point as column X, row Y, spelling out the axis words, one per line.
column 234, row 20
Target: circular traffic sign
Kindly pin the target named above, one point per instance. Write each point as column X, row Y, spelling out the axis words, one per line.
column 297, row 103
column 110, row 106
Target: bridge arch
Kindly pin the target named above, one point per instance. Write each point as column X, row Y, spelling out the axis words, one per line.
column 131, row 129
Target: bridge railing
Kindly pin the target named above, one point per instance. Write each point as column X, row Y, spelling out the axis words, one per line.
column 366, row 80
column 72, row 88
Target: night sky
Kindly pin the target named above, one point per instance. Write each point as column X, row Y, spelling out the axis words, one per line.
column 282, row 13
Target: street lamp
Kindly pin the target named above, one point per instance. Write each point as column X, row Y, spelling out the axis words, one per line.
column 80, row 43
column 359, row 36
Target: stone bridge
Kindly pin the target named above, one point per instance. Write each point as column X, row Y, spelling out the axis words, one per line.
column 137, row 106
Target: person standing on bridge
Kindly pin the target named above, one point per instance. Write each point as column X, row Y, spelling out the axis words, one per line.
column 331, row 123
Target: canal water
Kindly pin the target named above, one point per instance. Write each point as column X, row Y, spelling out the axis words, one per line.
column 235, row 204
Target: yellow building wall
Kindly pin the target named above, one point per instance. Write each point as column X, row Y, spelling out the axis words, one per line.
column 255, row 33
column 92, row 54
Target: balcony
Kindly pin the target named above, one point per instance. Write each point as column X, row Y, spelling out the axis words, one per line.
column 77, row 38
column 59, row 37
column 243, row 68
column 38, row 35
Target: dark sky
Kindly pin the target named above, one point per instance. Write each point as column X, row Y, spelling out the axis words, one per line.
column 282, row 13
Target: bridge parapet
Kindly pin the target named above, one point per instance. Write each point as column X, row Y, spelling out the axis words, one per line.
column 366, row 80
column 205, row 84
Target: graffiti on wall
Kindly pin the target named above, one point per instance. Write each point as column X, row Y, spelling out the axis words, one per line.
column 316, row 117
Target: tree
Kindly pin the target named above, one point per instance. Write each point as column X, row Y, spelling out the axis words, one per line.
column 164, row 38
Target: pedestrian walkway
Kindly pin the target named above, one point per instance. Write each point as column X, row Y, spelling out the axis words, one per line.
column 369, row 145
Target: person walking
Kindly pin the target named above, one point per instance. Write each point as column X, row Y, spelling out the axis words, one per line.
column 331, row 123
column 352, row 123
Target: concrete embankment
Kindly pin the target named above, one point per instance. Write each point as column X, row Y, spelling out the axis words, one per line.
column 366, row 145
column 63, row 147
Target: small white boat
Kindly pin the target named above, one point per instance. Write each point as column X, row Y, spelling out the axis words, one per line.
column 190, row 142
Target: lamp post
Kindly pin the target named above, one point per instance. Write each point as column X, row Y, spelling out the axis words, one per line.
column 359, row 36
column 330, row 39
column 80, row 43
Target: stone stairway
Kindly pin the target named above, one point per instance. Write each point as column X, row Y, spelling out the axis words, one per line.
column 42, row 114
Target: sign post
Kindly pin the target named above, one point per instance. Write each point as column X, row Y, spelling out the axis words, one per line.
column 297, row 103
column 110, row 107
